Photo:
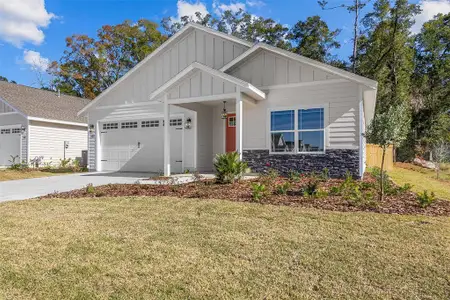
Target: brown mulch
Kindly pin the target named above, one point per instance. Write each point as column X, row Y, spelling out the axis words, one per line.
column 405, row 203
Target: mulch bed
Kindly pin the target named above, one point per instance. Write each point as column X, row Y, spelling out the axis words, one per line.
column 404, row 203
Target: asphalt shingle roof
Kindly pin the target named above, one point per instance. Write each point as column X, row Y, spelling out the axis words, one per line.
column 39, row 103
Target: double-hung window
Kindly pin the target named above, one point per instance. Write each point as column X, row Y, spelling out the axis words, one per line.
column 297, row 130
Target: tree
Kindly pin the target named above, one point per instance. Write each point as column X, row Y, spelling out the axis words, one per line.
column 356, row 9
column 386, row 129
column 386, row 51
column 240, row 24
column 313, row 39
column 2, row 78
column 431, row 77
column 91, row 65
column 439, row 141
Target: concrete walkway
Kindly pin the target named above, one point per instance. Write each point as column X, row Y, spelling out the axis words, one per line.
column 36, row 187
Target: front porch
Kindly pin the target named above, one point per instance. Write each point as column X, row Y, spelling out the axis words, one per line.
column 219, row 115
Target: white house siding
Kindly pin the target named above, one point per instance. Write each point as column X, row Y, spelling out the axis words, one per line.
column 47, row 140
column 264, row 69
column 201, row 84
column 204, row 130
column 340, row 100
column 17, row 119
column 195, row 46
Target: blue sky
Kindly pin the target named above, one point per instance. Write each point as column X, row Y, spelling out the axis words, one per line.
column 32, row 32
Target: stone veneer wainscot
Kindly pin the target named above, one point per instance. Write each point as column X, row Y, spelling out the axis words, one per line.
column 338, row 162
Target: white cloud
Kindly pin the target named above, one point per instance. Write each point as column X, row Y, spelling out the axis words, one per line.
column 185, row 8
column 219, row 8
column 255, row 3
column 22, row 21
column 430, row 8
column 35, row 60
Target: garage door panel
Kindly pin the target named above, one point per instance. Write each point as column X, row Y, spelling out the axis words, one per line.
column 9, row 145
column 140, row 149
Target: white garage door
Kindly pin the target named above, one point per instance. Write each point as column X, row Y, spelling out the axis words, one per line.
column 138, row 146
column 9, row 144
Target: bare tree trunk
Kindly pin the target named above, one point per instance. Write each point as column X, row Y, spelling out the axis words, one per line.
column 382, row 175
column 355, row 35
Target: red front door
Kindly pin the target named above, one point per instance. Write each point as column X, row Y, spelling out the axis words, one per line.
column 230, row 144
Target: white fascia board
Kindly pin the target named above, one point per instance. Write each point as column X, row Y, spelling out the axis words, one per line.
column 57, row 121
column 316, row 64
column 253, row 91
column 170, row 41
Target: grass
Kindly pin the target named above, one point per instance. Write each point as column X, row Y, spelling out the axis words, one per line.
column 6, row 175
column 167, row 248
column 422, row 179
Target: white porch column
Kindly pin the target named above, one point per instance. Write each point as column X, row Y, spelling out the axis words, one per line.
column 166, row 137
column 239, row 122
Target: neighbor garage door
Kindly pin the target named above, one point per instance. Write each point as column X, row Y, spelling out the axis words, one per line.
column 138, row 146
column 9, row 145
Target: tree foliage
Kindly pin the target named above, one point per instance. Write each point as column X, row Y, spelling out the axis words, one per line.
column 91, row 65
column 2, row 78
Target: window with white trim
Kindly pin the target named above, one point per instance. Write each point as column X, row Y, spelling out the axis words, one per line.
column 297, row 130
column 110, row 126
column 16, row 130
column 176, row 122
column 152, row 123
column 5, row 131
column 125, row 125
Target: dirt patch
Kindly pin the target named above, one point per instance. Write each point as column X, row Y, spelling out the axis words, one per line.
column 401, row 203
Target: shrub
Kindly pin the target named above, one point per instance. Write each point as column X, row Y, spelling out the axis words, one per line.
column 64, row 163
column 283, row 188
column 311, row 187
column 426, row 199
column 273, row 174
column 321, row 193
column 229, row 167
column 325, row 174
column 335, row 190
column 90, row 189
column 294, row 176
column 259, row 191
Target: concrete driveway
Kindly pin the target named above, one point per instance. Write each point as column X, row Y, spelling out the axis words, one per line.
column 36, row 187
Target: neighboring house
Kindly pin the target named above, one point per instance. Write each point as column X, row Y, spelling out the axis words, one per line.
column 36, row 123
column 282, row 110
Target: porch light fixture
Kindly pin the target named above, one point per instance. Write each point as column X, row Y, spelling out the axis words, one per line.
column 188, row 124
column 91, row 128
column 22, row 130
column 224, row 111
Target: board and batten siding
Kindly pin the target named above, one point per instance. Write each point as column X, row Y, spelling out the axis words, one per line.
column 47, row 140
column 195, row 46
column 201, row 84
column 342, row 107
column 265, row 69
column 4, row 108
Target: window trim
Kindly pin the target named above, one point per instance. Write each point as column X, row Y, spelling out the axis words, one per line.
column 296, row 131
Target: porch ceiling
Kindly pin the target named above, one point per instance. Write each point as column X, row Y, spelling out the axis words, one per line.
column 193, row 69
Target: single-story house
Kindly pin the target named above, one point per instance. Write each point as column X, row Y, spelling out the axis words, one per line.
column 36, row 123
column 204, row 92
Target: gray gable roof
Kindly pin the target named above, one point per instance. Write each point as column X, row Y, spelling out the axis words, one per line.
column 38, row 103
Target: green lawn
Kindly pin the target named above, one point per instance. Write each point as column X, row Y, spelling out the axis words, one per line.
column 423, row 179
column 6, row 175
column 166, row 248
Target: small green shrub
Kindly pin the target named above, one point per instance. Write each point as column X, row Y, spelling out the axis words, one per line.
column 259, row 191
column 426, row 199
column 90, row 189
column 321, row 193
column 229, row 168
column 294, row 176
column 325, row 174
column 283, row 188
column 335, row 190
column 273, row 174
column 311, row 187
column 365, row 186
column 64, row 163
column 405, row 188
